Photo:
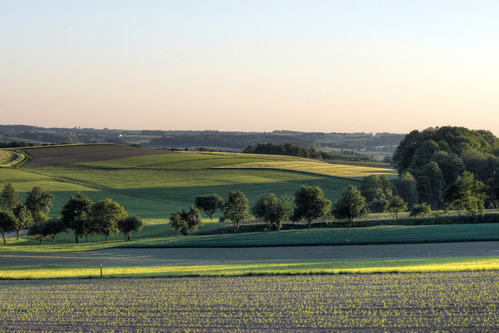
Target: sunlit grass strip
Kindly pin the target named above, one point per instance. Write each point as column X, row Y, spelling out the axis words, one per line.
column 318, row 167
column 339, row 267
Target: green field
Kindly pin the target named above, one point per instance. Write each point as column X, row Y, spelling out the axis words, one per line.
column 157, row 233
column 154, row 186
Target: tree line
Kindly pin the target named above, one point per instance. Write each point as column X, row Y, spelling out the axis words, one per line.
column 289, row 149
column 79, row 215
column 377, row 194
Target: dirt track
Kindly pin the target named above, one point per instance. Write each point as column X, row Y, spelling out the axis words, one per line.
column 213, row 256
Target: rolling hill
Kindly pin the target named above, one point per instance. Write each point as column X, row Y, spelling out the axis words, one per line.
column 154, row 183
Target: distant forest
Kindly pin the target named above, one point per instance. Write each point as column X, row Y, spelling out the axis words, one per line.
column 345, row 143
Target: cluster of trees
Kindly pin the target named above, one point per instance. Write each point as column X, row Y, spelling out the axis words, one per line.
column 308, row 204
column 377, row 194
column 284, row 149
column 446, row 162
column 298, row 151
column 79, row 215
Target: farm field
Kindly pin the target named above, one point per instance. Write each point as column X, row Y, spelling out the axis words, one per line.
column 157, row 233
column 155, row 183
column 454, row 301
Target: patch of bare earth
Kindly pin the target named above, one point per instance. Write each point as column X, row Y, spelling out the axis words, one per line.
column 72, row 154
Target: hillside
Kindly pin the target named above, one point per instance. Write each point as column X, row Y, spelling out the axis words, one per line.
column 154, row 183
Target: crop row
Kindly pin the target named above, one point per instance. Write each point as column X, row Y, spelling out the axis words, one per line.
column 425, row 301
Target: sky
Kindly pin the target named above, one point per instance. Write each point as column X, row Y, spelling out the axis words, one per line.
column 250, row 65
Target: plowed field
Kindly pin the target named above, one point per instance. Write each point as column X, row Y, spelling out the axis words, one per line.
column 464, row 302
column 72, row 154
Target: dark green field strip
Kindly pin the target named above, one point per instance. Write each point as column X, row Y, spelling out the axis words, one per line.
column 119, row 257
column 340, row 236
column 466, row 301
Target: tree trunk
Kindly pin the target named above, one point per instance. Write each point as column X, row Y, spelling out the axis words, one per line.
column 86, row 238
column 107, row 235
column 3, row 236
column 76, row 238
column 18, row 235
column 309, row 225
column 236, row 225
column 128, row 236
column 53, row 238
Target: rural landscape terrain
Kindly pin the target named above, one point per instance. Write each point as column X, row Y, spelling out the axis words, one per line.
column 377, row 232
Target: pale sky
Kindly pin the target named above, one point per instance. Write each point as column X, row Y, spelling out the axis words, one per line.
column 253, row 65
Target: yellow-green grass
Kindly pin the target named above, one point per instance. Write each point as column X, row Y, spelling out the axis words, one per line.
column 11, row 158
column 337, row 267
column 318, row 167
column 156, row 185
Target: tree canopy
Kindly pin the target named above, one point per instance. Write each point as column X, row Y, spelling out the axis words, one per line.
column 75, row 213
column 311, row 204
column 350, row 205
column 273, row 211
column 9, row 198
column 235, row 208
column 105, row 216
column 186, row 221
column 466, row 194
column 39, row 201
column 208, row 203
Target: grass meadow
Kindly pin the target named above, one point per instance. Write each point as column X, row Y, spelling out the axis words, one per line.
column 155, row 186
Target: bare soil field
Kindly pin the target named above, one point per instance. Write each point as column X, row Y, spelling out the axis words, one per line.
column 72, row 154
column 216, row 256
column 422, row 302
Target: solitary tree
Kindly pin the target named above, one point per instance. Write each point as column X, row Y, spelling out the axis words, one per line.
column 273, row 210
column 350, row 205
column 465, row 194
column 75, row 213
column 208, row 203
column 397, row 205
column 7, row 223
column 235, row 208
column 105, row 216
column 39, row 201
column 186, row 221
column 36, row 228
column 52, row 228
column 129, row 224
column 9, row 198
column 310, row 204
column 422, row 209
column 23, row 218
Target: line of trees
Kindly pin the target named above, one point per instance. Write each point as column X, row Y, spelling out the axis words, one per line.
column 79, row 215
column 308, row 204
column 298, row 151
column 377, row 194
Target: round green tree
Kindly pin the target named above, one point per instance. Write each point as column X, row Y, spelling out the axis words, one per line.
column 311, row 204
column 186, row 221
column 350, row 205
